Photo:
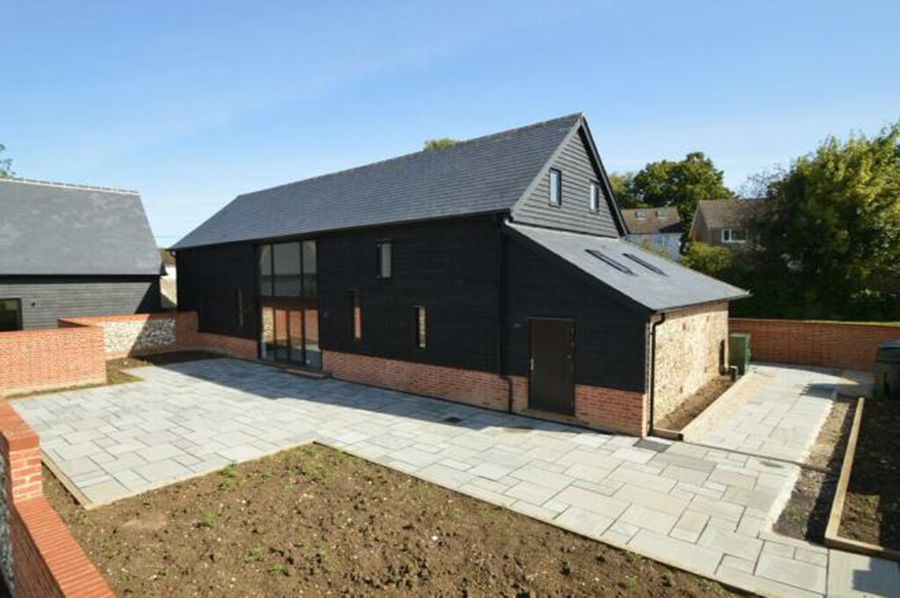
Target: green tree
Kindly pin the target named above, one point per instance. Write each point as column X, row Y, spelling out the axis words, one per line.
column 623, row 190
column 5, row 164
column 681, row 184
column 831, row 225
column 433, row 144
column 709, row 259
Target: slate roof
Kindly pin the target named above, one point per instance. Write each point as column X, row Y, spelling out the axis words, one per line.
column 483, row 175
column 654, row 221
column 724, row 213
column 657, row 284
column 58, row 229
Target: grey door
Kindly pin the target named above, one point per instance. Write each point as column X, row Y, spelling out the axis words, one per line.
column 551, row 376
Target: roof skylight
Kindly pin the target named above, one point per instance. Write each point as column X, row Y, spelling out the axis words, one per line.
column 610, row 262
column 645, row 263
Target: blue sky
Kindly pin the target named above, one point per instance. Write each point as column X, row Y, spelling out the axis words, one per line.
column 194, row 102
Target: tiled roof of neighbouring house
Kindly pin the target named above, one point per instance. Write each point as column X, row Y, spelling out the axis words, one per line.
column 652, row 221
column 723, row 213
column 483, row 175
column 627, row 271
column 60, row 229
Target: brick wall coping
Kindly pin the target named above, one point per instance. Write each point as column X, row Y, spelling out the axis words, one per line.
column 87, row 320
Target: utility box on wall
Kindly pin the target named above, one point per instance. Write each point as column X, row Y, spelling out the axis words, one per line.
column 739, row 352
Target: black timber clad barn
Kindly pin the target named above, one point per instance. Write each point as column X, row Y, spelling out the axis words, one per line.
column 490, row 272
column 70, row 251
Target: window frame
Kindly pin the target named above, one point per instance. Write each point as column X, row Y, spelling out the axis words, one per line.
column 239, row 306
column 729, row 238
column 379, row 244
column 18, row 303
column 594, row 197
column 559, row 188
column 420, row 331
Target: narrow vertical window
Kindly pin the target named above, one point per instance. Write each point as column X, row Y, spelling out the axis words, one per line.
column 555, row 187
column 384, row 255
column 421, row 327
column 239, row 306
column 595, row 197
column 356, row 315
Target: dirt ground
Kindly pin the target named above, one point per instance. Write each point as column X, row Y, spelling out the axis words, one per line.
column 806, row 515
column 872, row 508
column 315, row 521
column 116, row 375
column 696, row 404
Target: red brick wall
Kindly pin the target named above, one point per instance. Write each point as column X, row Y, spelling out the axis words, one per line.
column 465, row 386
column 229, row 345
column 595, row 407
column 826, row 344
column 52, row 358
column 47, row 561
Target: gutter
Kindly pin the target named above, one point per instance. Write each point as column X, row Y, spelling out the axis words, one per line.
column 656, row 323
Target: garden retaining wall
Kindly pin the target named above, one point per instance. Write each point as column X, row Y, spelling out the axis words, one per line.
column 38, row 556
column 841, row 345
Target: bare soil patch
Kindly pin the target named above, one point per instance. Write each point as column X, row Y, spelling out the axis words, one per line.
column 872, row 508
column 696, row 403
column 313, row 520
column 806, row 515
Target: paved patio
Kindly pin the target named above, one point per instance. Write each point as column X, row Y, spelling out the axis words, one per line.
column 707, row 509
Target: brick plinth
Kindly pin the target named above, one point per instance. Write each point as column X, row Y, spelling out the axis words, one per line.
column 46, row 560
column 595, row 407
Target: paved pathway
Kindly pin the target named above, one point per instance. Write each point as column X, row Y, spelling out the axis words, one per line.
column 704, row 509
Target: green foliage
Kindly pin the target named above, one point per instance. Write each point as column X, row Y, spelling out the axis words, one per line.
column 5, row 164
column 709, row 259
column 830, row 230
column 208, row 519
column 622, row 188
column 681, row 184
column 434, row 144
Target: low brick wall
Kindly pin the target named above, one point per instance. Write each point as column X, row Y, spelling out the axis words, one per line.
column 32, row 360
column 38, row 556
column 143, row 334
column 600, row 408
column 241, row 348
column 825, row 344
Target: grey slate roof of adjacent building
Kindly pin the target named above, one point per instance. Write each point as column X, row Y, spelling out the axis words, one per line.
column 652, row 221
column 638, row 276
column 58, row 229
column 483, row 175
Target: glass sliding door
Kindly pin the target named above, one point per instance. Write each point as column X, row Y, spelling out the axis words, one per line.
column 289, row 299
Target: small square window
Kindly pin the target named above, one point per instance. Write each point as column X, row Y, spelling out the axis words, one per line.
column 595, row 197
column 555, row 187
column 384, row 254
column 421, row 327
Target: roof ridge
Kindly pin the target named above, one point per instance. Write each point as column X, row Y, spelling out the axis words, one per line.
column 67, row 185
column 455, row 146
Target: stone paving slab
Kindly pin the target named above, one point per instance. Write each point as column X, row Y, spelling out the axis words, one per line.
column 705, row 508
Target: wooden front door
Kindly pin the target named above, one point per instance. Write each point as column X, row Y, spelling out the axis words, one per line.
column 551, row 376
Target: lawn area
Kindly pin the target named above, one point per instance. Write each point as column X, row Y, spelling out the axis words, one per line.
column 313, row 520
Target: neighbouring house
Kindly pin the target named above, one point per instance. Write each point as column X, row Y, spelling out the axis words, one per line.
column 722, row 222
column 492, row 272
column 69, row 250
column 658, row 227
